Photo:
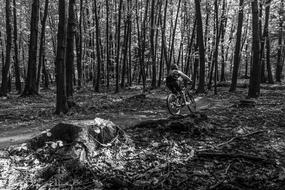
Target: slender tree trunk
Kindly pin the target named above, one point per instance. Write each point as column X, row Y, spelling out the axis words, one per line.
column 174, row 32
column 159, row 23
column 223, row 31
column 246, row 60
column 61, row 97
column 201, row 86
column 31, row 85
column 9, row 82
column 208, row 12
column 69, row 63
column 190, row 47
column 130, row 43
column 143, row 46
column 266, row 36
column 152, row 48
column 280, row 60
column 262, row 44
column 2, row 44
column 163, row 46
column 42, row 43
column 16, row 59
column 97, row 87
column 138, row 43
column 79, row 47
column 52, row 26
column 118, row 46
column 237, row 48
column 196, row 64
column 268, row 62
column 45, row 72
column 125, row 52
column 255, row 73
column 6, row 67
column 107, row 44
column 215, row 58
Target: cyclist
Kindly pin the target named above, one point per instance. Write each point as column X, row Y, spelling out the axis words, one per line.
column 175, row 79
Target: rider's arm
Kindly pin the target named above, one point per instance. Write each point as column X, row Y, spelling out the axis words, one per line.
column 185, row 77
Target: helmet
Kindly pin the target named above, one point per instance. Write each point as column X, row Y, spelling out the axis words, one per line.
column 174, row 67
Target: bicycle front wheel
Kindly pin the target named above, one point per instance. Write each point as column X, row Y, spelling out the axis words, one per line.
column 173, row 104
column 191, row 104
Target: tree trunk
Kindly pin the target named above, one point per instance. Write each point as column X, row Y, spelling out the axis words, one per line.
column 97, row 86
column 163, row 46
column 42, row 43
column 130, row 44
column 280, row 60
column 118, row 45
column 190, row 47
column 262, row 44
column 196, row 64
column 31, row 84
column 79, row 47
column 6, row 67
column 107, row 44
column 16, row 59
column 143, row 31
column 46, row 77
column 69, row 63
column 254, row 83
column 201, row 86
column 152, row 48
column 208, row 12
column 215, row 58
column 61, row 98
column 174, row 33
column 125, row 50
column 237, row 48
column 223, row 31
column 266, row 35
column 246, row 60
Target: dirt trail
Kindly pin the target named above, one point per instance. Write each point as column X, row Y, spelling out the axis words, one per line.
column 125, row 119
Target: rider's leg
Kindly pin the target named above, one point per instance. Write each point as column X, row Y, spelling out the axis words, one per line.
column 184, row 97
column 181, row 93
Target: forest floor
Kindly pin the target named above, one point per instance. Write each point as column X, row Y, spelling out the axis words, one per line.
column 244, row 149
column 23, row 118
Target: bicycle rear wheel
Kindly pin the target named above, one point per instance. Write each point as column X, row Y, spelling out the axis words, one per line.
column 173, row 104
column 191, row 104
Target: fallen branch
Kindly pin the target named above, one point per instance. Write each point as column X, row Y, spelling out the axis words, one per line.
column 239, row 137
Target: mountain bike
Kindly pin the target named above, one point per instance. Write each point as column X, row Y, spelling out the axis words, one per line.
column 175, row 102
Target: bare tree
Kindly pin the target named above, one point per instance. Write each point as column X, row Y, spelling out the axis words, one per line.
column 31, row 85
column 201, row 85
column 42, row 48
column 16, row 58
column 61, row 98
column 255, row 73
column 6, row 67
column 237, row 47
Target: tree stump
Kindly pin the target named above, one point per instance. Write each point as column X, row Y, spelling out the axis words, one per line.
column 69, row 145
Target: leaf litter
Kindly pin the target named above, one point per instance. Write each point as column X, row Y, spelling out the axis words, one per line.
column 245, row 149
